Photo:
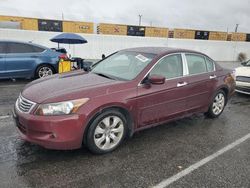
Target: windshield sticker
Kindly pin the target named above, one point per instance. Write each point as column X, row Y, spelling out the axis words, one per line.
column 142, row 58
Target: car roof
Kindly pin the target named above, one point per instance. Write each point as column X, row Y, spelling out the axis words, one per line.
column 161, row 50
column 22, row 42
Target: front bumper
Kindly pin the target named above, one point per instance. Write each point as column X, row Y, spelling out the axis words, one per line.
column 243, row 87
column 51, row 132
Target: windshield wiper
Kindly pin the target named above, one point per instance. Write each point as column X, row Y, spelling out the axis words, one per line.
column 104, row 75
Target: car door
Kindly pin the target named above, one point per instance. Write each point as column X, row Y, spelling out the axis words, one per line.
column 201, row 82
column 2, row 60
column 20, row 59
column 159, row 103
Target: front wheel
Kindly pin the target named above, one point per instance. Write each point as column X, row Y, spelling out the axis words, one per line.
column 106, row 132
column 218, row 105
column 44, row 71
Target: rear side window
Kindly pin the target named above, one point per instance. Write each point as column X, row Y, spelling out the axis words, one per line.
column 2, row 47
column 170, row 67
column 37, row 49
column 210, row 65
column 196, row 64
column 22, row 48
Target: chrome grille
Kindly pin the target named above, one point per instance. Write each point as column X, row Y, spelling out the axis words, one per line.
column 24, row 105
column 243, row 79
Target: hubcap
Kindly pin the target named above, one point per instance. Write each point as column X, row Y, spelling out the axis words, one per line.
column 218, row 104
column 109, row 132
column 45, row 71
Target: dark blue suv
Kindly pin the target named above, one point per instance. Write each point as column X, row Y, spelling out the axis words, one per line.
column 27, row 60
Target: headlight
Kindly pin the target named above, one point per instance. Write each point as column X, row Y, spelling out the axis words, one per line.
column 61, row 108
column 233, row 74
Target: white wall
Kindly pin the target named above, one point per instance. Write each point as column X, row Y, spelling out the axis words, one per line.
column 106, row 44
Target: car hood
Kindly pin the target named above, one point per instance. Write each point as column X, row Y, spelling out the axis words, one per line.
column 66, row 86
column 243, row 71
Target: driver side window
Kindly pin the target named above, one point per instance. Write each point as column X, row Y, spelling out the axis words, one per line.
column 169, row 67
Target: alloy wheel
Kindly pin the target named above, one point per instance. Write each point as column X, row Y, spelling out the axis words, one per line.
column 45, row 71
column 109, row 132
column 218, row 104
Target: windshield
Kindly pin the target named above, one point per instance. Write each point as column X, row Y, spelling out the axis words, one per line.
column 247, row 63
column 123, row 65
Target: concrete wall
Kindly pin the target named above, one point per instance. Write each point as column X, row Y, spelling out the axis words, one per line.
column 106, row 44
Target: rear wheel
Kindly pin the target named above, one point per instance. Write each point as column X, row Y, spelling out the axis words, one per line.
column 218, row 105
column 44, row 71
column 106, row 132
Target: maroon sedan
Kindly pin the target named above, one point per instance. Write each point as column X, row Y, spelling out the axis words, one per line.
column 130, row 90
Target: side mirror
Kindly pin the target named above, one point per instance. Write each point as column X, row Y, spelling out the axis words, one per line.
column 103, row 56
column 156, row 79
column 87, row 65
column 243, row 63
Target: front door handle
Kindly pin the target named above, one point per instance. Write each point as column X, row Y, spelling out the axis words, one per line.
column 181, row 84
column 212, row 77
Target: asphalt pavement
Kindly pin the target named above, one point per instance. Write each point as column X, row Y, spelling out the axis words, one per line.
column 150, row 157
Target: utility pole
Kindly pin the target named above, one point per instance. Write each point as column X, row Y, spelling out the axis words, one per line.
column 236, row 28
column 140, row 16
column 62, row 16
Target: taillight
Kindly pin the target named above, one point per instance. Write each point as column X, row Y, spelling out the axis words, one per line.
column 63, row 57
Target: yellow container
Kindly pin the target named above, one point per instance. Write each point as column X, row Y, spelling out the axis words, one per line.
column 214, row 35
column 112, row 29
column 156, row 32
column 184, row 33
column 239, row 37
column 78, row 27
column 64, row 66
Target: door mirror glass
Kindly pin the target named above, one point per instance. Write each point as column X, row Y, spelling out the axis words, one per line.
column 156, row 79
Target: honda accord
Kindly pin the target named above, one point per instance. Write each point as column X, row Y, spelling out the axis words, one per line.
column 131, row 90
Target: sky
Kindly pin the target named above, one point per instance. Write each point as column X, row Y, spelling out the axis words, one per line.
column 217, row 15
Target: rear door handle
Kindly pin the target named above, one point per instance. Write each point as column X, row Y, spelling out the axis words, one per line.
column 212, row 77
column 181, row 84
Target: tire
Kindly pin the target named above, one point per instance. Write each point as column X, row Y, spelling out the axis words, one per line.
column 218, row 105
column 44, row 71
column 106, row 132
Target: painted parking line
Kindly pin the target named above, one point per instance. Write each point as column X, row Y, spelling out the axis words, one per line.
column 200, row 163
column 4, row 117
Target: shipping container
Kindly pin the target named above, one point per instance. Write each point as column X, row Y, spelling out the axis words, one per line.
column 229, row 36
column 238, row 37
column 111, row 29
column 248, row 38
column 138, row 31
column 30, row 24
column 202, row 35
column 50, row 25
column 25, row 23
column 171, row 34
column 156, row 32
column 184, row 33
column 78, row 27
column 216, row 35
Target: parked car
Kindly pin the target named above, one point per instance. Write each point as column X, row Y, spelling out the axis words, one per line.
column 131, row 90
column 26, row 60
column 243, row 78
